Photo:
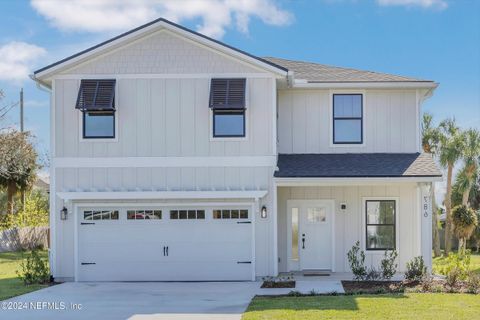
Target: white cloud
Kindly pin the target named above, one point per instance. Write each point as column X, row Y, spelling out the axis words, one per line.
column 16, row 59
column 438, row 4
column 118, row 15
column 36, row 103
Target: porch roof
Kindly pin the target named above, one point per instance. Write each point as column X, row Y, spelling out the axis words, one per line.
column 356, row 165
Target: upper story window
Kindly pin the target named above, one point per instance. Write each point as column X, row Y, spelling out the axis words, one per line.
column 96, row 100
column 380, row 224
column 347, row 119
column 227, row 101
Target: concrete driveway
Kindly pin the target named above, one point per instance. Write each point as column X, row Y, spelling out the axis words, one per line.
column 135, row 300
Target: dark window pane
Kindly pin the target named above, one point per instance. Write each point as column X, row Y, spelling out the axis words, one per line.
column 87, row 215
column 158, row 214
column 348, row 131
column 228, row 124
column 114, row 215
column 235, row 214
column 192, row 214
column 130, row 215
column 380, row 237
column 174, row 214
column 217, row 214
column 97, row 215
column 182, row 214
column 243, row 214
column 200, row 214
column 99, row 125
column 225, row 214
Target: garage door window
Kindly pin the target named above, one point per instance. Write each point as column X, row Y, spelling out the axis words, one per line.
column 230, row 214
column 100, row 215
column 144, row 214
column 187, row 214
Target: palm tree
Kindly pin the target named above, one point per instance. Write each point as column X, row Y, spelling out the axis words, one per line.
column 471, row 158
column 465, row 222
column 451, row 148
column 430, row 143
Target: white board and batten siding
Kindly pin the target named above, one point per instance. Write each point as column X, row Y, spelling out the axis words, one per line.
column 349, row 223
column 305, row 121
column 162, row 102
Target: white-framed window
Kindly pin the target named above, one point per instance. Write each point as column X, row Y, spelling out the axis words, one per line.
column 144, row 214
column 100, row 215
column 380, row 224
column 187, row 214
column 222, row 214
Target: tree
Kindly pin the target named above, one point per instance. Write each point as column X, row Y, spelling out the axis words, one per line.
column 18, row 164
column 471, row 156
column 465, row 221
column 458, row 190
column 450, row 151
column 430, row 144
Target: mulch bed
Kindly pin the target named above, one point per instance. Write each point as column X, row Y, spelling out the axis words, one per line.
column 278, row 284
column 375, row 286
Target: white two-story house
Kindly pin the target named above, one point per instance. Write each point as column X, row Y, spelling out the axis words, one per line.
column 177, row 157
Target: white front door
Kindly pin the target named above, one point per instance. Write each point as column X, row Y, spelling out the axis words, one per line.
column 315, row 234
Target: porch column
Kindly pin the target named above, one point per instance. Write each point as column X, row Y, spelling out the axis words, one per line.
column 426, row 223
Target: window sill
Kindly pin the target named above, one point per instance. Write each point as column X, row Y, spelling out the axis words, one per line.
column 233, row 139
column 103, row 140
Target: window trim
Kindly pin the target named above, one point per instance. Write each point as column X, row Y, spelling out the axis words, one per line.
column 334, row 119
column 395, row 225
column 334, row 144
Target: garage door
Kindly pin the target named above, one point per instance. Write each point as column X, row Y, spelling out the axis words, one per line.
column 164, row 244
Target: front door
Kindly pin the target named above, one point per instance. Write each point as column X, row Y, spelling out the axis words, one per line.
column 315, row 235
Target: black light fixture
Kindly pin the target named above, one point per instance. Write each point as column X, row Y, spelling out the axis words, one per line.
column 64, row 213
column 263, row 213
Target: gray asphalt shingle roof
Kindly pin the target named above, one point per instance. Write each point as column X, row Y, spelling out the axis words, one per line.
column 356, row 165
column 315, row 72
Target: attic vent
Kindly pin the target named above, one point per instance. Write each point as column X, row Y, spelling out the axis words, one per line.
column 96, row 95
column 227, row 94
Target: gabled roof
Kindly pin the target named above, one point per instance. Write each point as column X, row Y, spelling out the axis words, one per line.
column 360, row 165
column 317, row 73
column 157, row 24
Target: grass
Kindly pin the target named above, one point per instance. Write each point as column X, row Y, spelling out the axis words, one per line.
column 474, row 262
column 10, row 285
column 387, row 306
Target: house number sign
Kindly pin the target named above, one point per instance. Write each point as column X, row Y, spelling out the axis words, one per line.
column 426, row 202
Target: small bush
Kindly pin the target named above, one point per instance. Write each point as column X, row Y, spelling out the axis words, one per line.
column 452, row 278
column 416, row 269
column 427, row 283
column 457, row 263
column 388, row 264
column 473, row 283
column 356, row 259
column 373, row 274
column 295, row 293
column 34, row 270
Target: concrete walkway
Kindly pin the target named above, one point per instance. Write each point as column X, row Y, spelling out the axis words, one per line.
column 148, row 300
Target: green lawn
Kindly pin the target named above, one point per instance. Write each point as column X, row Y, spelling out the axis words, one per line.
column 474, row 262
column 388, row 306
column 10, row 285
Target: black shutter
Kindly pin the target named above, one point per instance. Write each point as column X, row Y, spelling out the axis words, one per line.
column 96, row 95
column 227, row 94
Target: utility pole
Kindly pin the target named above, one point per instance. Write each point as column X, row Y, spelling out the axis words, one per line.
column 21, row 110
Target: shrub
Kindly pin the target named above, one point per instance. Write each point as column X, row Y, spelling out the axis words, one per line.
column 473, row 283
column 356, row 259
column 452, row 278
column 34, row 270
column 458, row 262
column 388, row 264
column 464, row 223
column 416, row 269
column 373, row 274
column 427, row 283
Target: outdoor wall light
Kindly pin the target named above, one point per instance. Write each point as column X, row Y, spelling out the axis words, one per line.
column 263, row 213
column 64, row 213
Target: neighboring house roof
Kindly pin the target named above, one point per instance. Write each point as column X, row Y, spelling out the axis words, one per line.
column 316, row 73
column 158, row 23
column 356, row 165
column 42, row 184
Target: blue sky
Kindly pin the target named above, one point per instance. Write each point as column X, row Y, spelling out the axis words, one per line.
column 429, row 39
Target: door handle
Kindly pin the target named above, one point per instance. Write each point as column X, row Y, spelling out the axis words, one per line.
column 167, row 251
column 164, row 251
column 303, row 241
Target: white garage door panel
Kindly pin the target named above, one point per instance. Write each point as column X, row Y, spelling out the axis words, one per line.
column 198, row 250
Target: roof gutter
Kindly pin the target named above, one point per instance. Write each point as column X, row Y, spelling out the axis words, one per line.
column 353, row 181
column 366, row 85
column 40, row 84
